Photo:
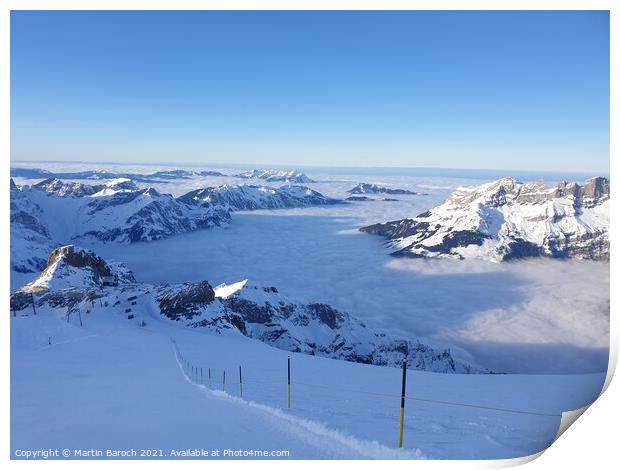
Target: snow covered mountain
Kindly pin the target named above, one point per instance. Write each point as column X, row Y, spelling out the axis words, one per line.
column 31, row 241
column 75, row 276
column 144, row 215
column 287, row 176
column 248, row 197
column 158, row 176
column 506, row 219
column 71, row 267
column 368, row 188
column 54, row 212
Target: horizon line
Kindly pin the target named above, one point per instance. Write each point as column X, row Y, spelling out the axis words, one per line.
column 300, row 166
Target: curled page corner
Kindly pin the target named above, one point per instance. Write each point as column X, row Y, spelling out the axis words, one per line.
column 568, row 418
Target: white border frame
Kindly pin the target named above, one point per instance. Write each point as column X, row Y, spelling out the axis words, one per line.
column 592, row 442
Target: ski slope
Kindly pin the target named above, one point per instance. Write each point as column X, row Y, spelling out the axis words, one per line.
column 112, row 384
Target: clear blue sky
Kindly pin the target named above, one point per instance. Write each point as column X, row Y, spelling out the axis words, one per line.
column 498, row 90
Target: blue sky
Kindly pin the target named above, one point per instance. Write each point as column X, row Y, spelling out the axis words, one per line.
column 495, row 90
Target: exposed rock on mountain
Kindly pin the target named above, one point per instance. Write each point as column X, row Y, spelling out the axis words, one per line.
column 368, row 188
column 287, row 176
column 506, row 219
column 72, row 267
column 74, row 279
column 54, row 212
column 60, row 188
column 30, row 238
column 144, row 215
column 246, row 197
column 365, row 198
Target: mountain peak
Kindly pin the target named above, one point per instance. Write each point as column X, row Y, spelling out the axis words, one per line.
column 507, row 219
column 71, row 266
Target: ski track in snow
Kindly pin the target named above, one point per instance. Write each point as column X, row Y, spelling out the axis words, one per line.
column 316, row 434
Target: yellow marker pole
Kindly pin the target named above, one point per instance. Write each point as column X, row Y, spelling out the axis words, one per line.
column 402, row 405
column 289, row 381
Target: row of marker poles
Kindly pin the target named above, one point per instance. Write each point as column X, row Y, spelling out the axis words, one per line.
column 288, row 382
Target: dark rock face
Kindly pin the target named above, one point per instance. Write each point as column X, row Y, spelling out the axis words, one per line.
column 249, row 311
column 80, row 259
column 519, row 248
column 326, row 314
column 459, row 238
column 368, row 188
column 359, row 198
column 399, row 228
column 184, row 300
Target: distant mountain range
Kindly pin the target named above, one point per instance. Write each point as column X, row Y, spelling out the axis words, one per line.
column 156, row 177
column 55, row 212
column 507, row 219
column 287, row 176
column 368, row 188
column 282, row 176
column 249, row 197
column 74, row 279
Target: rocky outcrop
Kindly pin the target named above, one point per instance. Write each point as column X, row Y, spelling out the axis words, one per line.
column 63, row 189
column 318, row 329
column 184, row 300
column 72, row 267
column 368, row 188
column 506, row 220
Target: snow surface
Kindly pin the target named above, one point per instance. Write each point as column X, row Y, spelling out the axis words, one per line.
column 113, row 384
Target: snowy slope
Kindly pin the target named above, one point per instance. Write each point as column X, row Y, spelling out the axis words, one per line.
column 114, row 384
column 249, row 197
column 506, row 219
